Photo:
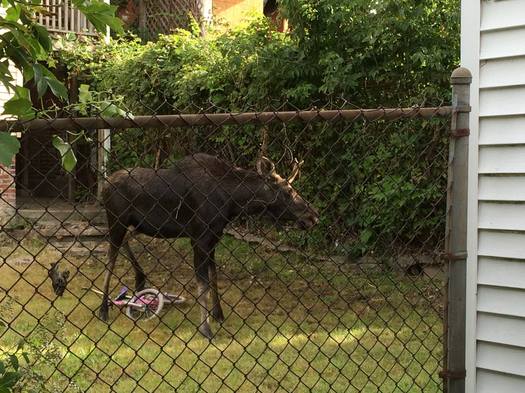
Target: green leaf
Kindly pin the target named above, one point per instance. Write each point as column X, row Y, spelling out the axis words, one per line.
column 9, row 146
column 20, row 104
column 85, row 98
column 365, row 235
column 31, row 44
column 2, row 367
column 57, row 87
column 20, row 107
column 84, row 95
column 22, row 92
column 5, row 75
column 17, row 55
column 44, row 79
column 111, row 110
column 9, row 380
column 43, row 37
column 13, row 13
column 41, row 84
column 69, row 161
column 14, row 362
column 100, row 14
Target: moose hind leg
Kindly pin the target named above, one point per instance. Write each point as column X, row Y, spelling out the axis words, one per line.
column 104, row 307
column 117, row 233
column 216, row 309
column 140, row 276
column 202, row 295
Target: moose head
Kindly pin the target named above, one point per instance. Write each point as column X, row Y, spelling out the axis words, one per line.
column 284, row 204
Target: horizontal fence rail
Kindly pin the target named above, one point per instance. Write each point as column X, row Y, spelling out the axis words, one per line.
column 219, row 119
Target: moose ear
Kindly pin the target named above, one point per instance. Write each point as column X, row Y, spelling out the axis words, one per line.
column 265, row 167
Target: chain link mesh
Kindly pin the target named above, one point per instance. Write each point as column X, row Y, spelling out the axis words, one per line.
column 334, row 283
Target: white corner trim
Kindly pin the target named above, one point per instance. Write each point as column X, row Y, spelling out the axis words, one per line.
column 470, row 52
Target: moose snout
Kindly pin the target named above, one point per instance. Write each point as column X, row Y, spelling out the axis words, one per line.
column 308, row 221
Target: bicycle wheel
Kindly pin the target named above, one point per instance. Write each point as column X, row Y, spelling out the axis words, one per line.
column 151, row 302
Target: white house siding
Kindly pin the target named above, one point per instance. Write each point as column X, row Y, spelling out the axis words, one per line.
column 494, row 48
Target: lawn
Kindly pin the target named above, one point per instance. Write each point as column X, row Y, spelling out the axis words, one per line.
column 293, row 323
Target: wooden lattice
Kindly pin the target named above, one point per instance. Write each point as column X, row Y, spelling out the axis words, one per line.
column 163, row 17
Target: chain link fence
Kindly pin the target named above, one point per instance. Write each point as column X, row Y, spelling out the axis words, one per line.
column 273, row 251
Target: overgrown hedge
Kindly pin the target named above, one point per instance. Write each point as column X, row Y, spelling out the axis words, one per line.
column 376, row 182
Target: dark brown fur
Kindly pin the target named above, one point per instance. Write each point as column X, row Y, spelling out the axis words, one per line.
column 196, row 198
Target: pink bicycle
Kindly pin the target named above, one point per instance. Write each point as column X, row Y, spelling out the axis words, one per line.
column 144, row 305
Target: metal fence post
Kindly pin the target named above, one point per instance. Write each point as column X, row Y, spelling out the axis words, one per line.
column 456, row 236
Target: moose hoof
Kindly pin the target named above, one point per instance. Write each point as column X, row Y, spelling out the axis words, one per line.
column 103, row 314
column 205, row 330
column 140, row 285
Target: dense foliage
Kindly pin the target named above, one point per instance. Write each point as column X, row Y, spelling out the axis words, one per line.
column 372, row 53
column 26, row 46
column 368, row 177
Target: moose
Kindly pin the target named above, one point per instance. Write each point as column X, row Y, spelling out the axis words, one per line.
column 196, row 198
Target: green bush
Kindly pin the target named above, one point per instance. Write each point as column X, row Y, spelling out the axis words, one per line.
column 377, row 183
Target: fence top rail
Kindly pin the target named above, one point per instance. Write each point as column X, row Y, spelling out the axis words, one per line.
column 220, row 119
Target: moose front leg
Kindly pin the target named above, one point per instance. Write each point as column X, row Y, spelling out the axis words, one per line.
column 117, row 233
column 216, row 309
column 201, row 261
column 104, row 307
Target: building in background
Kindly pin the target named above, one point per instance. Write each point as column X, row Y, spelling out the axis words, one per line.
column 152, row 17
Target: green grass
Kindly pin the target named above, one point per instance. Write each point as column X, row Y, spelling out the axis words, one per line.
column 292, row 324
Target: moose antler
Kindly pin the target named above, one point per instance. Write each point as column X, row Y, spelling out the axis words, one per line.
column 265, row 167
column 296, row 170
